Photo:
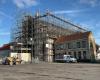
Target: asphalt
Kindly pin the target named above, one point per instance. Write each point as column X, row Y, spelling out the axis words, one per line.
column 51, row 71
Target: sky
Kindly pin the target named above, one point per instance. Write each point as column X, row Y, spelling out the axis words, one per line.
column 85, row 13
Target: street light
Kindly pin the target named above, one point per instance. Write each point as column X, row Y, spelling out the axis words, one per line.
column 31, row 39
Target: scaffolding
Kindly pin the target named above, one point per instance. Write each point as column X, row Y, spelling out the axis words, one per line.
column 36, row 34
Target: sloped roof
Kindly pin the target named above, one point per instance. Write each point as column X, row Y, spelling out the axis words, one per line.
column 73, row 37
column 5, row 47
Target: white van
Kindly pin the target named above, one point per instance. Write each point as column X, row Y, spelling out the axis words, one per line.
column 66, row 58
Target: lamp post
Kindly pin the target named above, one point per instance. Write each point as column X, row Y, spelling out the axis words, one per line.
column 31, row 49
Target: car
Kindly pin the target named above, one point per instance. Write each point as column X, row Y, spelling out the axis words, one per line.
column 69, row 58
column 66, row 58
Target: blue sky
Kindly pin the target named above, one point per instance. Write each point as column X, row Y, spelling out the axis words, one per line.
column 83, row 12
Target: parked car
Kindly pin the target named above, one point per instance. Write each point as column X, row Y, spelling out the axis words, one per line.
column 69, row 58
column 66, row 58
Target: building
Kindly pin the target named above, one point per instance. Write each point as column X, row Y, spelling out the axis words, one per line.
column 36, row 35
column 5, row 51
column 80, row 45
column 98, row 53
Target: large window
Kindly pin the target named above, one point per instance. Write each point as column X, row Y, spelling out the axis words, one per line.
column 84, row 54
column 74, row 45
column 78, row 45
column 79, row 55
column 69, row 53
column 70, row 45
column 83, row 44
column 59, row 46
column 62, row 46
column 60, row 56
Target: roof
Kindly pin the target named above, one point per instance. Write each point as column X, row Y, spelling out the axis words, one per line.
column 73, row 37
column 5, row 47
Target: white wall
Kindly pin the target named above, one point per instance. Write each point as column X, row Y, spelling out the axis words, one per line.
column 14, row 55
column 23, row 56
column 26, row 57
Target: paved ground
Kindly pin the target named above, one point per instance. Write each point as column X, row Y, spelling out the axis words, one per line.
column 51, row 71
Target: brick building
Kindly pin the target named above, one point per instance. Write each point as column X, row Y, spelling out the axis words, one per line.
column 80, row 45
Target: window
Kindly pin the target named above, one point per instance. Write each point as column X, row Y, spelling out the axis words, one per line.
column 79, row 55
column 60, row 56
column 57, row 47
column 83, row 44
column 62, row 46
column 74, row 45
column 69, row 46
column 84, row 54
column 69, row 53
column 75, row 54
column 91, row 45
column 78, row 45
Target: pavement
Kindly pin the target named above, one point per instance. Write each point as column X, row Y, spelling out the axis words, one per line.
column 51, row 71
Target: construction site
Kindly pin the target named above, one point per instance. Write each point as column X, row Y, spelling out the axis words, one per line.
column 36, row 35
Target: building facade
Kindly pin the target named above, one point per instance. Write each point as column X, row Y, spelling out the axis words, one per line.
column 98, row 53
column 80, row 45
column 5, row 51
column 37, row 35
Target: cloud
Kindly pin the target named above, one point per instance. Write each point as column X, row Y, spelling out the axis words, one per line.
column 67, row 11
column 4, row 14
column 70, row 13
column 25, row 3
column 91, row 3
column 4, row 33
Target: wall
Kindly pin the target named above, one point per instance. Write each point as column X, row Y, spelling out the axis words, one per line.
column 4, row 53
column 80, row 52
column 23, row 56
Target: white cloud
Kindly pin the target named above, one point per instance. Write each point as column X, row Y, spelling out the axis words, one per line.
column 4, row 33
column 92, row 3
column 4, row 14
column 67, row 11
column 25, row 3
column 70, row 13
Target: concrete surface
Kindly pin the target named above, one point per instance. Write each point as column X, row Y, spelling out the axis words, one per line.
column 51, row 71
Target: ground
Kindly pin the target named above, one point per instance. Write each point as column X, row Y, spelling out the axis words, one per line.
column 51, row 71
